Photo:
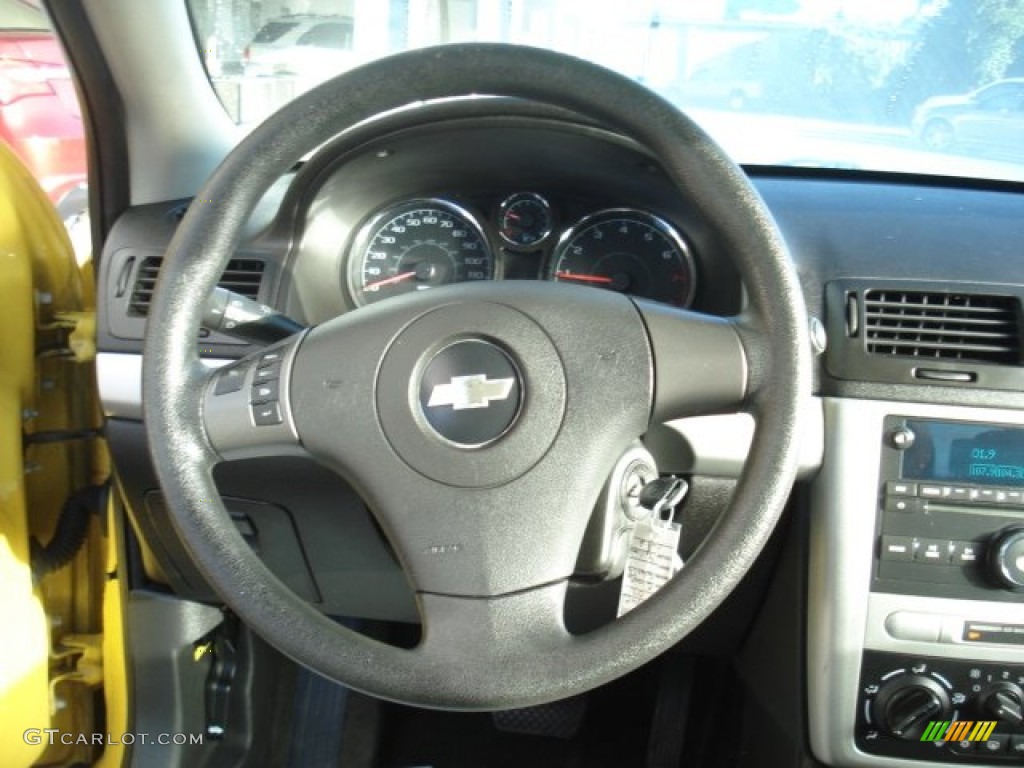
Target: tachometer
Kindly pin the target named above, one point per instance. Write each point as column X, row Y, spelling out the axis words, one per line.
column 628, row 251
column 414, row 246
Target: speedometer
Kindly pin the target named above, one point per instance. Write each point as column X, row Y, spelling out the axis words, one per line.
column 628, row 251
column 414, row 246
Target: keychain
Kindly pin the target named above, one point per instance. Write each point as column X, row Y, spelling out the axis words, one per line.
column 653, row 556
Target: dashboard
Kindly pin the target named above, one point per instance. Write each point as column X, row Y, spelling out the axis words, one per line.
column 898, row 276
column 414, row 245
column 494, row 198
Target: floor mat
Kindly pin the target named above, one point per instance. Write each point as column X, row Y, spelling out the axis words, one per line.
column 318, row 712
column 614, row 734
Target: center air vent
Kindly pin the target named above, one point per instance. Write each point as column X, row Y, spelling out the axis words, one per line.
column 241, row 276
column 942, row 326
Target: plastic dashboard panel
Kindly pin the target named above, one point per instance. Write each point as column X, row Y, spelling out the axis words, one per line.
column 476, row 164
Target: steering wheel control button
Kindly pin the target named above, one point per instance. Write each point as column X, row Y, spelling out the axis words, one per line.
column 267, row 373
column 267, row 414
column 470, row 393
column 265, row 393
column 270, row 358
column 230, row 380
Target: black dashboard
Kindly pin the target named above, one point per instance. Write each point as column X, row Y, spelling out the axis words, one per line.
column 496, row 198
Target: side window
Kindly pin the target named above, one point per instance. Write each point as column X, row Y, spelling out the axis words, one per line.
column 330, row 35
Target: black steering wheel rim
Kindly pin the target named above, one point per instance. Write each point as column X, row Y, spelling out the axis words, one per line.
column 173, row 376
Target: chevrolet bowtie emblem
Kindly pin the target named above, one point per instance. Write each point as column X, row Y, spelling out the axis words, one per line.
column 476, row 391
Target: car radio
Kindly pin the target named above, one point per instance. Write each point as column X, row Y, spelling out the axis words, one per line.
column 950, row 524
column 952, row 510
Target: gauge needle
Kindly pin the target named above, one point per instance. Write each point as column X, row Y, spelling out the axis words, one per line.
column 583, row 278
column 389, row 280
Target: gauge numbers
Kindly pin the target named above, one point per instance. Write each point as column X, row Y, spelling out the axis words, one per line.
column 627, row 251
column 414, row 246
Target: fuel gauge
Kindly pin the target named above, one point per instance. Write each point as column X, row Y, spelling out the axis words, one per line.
column 525, row 219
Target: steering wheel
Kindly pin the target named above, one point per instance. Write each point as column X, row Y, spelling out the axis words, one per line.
column 479, row 422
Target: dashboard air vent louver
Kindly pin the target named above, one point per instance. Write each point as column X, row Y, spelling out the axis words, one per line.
column 943, row 326
column 241, row 276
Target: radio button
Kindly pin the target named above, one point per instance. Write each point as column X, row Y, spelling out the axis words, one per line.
column 897, row 548
column 995, row 744
column 987, row 495
column 931, row 491
column 1016, row 745
column 965, row 553
column 1014, row 498
column 902, row 504
column 898, row 488
column 933, row 551
column 961, row 493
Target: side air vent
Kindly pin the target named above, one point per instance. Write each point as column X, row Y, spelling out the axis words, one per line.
column 241, row 276
column 943, row 326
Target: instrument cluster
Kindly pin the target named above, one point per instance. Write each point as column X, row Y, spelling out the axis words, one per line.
column 417, row 244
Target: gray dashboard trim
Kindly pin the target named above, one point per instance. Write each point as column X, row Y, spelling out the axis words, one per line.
column 844, row 506
column 953, row 614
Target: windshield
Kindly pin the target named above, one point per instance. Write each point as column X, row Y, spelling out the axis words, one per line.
column 918, row 86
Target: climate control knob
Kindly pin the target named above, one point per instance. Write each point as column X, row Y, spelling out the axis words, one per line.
column 905, row 705
column 1004, row 702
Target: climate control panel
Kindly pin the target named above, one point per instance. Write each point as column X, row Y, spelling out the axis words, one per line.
column 924, row 708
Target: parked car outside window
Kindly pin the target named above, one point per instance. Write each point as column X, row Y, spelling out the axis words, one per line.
column 305, row 46
column 990, row 119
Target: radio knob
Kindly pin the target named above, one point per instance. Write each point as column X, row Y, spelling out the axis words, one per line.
column 901, row 438
column 1006, row 557
column 1003, row 701
column 904, row 706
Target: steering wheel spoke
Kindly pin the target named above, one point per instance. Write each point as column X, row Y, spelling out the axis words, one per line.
column 246, row 405
column 702, row 362
column 465, row 637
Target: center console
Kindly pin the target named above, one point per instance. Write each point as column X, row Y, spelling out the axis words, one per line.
column 916, row 592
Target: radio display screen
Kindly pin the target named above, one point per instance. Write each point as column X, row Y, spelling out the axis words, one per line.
column 974, row 454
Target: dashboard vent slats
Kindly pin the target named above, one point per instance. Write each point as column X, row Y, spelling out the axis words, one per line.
column 943, row 326
column 241, row 276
